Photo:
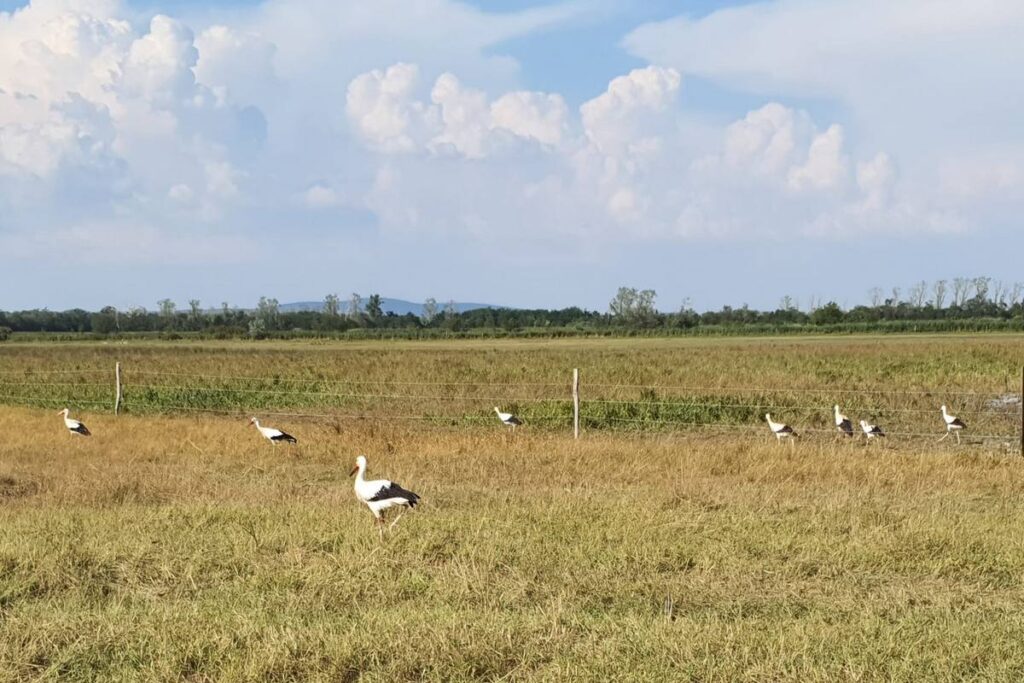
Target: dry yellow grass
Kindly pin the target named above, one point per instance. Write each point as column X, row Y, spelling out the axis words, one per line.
column 189, row 549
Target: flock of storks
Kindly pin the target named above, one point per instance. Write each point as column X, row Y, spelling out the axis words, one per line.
column 378, row 494
column 381, row 494
column 781, row 430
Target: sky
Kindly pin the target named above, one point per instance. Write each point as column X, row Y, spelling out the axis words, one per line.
column 520, row 153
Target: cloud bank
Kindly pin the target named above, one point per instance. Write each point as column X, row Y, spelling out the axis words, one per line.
column 308, row 117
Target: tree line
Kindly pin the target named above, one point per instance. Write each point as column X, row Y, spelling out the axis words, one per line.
column 940, row 305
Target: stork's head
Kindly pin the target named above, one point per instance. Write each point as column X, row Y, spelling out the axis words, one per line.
column 864, row 424
column 360, row 465
column 768, row 416
column 943, row 408
column 836, row 407
column 252, row 421
column 496, row 409
column 63, row 411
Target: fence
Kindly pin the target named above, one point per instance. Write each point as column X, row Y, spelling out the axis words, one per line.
column 992, row 418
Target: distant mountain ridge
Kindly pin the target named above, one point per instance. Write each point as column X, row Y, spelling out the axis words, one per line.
column 396, row 306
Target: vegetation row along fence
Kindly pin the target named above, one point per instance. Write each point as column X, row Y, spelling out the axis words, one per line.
column 904, row 414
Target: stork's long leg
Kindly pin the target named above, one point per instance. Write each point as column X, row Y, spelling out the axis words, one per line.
column 393, row 523
column 945, row 435
column 958, row 438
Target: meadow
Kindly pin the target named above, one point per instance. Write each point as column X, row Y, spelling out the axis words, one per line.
column 178, row 545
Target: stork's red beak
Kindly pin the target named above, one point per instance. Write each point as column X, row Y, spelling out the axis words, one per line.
column 354, row 470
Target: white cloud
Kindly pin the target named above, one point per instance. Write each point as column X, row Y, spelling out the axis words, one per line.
column 320, row 197
column 464, row 117
column 911, row 73
column 632, row 111
column 826, row 165
column 381, row 105
column 766, row 139
column 241, row 63
column 293, row 106
column 159, row 65
column 876, row 179
column 629, row 170
column 533, row 115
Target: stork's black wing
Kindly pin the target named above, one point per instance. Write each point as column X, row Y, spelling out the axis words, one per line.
column 393, row 490
column 284, row 437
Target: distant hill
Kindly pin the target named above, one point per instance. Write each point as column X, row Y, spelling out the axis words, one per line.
column 396, row 306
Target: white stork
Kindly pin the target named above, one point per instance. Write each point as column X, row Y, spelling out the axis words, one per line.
column 271, row 434
column 870, row 430
column 843, row 423
column 508, row 418
column 380, row 494
column 779, row 429
column 954, row 425
column 74, row 426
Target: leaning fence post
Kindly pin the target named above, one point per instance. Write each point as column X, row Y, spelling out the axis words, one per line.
column 576, row 403
column 117, row 388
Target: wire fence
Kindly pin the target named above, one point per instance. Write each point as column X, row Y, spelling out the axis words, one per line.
column 992, row 418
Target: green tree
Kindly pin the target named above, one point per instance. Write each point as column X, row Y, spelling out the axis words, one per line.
column 374, row 311
column 828, row 314
column 332, row 304
column 268, row 313
column 106, row 321
column 195, row 314
column 634, row 307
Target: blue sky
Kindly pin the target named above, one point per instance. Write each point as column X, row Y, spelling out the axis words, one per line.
column 521, row 153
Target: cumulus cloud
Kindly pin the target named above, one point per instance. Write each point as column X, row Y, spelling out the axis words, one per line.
column 766, row 139
column 158, row 66
column 826, row 165
column 631, row 112
column 382, row 107
column 917, row 76
column 464, row 117
column 624, row 167
column 458, row 120
column 532, row 115
column 304, row 106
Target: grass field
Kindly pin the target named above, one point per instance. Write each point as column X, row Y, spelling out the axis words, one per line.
column 183, row 547
column 636, row 384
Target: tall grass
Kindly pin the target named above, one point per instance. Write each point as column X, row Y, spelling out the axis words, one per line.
column 187, row 548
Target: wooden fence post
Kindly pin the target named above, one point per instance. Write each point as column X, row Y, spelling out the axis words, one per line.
column 117, row 388
column 1022, row 410
column 576, row 403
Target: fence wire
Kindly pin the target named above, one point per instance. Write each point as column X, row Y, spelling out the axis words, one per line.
column 636, row 408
